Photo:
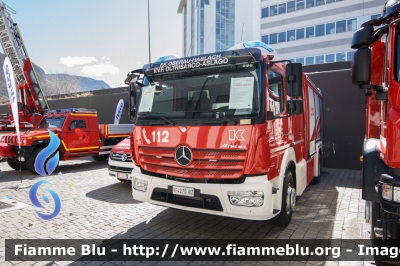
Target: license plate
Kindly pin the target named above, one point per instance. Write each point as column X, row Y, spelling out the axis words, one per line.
column 122, row 175
column 183, row 191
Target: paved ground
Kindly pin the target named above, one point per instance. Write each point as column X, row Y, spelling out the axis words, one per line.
column 96, row 205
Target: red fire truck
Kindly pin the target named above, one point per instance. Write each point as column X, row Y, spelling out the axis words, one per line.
column 235, row 133
column 79, row 132
column 376, row 68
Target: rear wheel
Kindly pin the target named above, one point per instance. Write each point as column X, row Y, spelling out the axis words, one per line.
column 15, row 165
column 288, row 202
column 101, row 157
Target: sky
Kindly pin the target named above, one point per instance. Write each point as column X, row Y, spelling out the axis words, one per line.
column 101, row 39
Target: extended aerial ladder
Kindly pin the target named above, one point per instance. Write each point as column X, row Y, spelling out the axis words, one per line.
column 31, row 99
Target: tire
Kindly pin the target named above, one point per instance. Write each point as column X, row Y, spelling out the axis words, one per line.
column 288, row 202
column 317, row 179
column 15, row 165
column 123, row 180
column 393, row 228
column 100, row 158
column 30, row 161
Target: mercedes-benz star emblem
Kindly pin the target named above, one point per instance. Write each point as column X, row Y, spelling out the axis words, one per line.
column 124, row 157
column 183, row 155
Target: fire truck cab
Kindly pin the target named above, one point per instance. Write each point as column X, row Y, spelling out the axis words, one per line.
column 235, row 133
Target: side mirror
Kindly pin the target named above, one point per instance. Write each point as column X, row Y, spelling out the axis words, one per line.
column 133, row 76
column 36, row 118
column 361, row 67
column 362, row 37
column 294, row 79
column 295, row 106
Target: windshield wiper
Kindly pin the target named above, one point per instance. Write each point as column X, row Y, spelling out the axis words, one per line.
column 167, row 121
column 220, row 114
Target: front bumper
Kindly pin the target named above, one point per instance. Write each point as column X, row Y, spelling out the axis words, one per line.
column 6, row 151
column 120, row 170
column 209, row 198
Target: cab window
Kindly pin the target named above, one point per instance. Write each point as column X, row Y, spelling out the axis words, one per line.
column 275, row 92
column 77, row 124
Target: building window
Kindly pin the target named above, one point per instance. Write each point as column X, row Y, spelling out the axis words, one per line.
column 192, row 7
column 264, row 39
column 310, row 3
column 310, row 32
column 300, row 60
column 282, row 8
column 200, row 28
column 319, row 59
column 291, row 35
column 206, row 2
column 320, row 30
column 185, row 31
column 273, row 38
column 265, row 12
column 330, row 1
column 299, row 4
column 340, row 26
column 291, row 6
column 225, row 24
column 329, row 58
column 375, row 16
column 320, row 2
column 310, row 60
column 282, row 36
column 330, row 28
column 340, row 57
column 300, row 34
column 273, row 10
column 351, row 24
column 350, row 56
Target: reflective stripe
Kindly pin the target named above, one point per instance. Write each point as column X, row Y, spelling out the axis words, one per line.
column 280, row 148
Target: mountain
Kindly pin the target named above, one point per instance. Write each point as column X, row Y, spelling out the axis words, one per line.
column 54, row 84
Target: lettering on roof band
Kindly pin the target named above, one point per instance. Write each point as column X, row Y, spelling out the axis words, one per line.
column 191, row 63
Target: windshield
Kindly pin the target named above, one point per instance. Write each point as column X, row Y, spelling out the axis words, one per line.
column 230, row 92
column 52, row 122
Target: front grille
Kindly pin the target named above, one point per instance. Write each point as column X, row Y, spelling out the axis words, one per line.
column 121, row 169
column 206, row 163
column 119, row 156
column 208, row 202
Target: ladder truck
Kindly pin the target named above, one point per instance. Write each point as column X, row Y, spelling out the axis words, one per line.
column 32, row 102
column 376, row 69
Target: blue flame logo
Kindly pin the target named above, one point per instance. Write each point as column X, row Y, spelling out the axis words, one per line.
column 36, row 203
column 40, row 161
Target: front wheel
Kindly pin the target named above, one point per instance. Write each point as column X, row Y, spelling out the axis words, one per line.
column 288, row 202
column 30, row 161
column 15, row 165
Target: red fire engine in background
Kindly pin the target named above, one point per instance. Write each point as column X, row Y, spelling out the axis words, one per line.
column 376, row 68
column 233, row 133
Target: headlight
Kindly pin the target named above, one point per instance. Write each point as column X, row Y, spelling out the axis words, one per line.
column 246, row 198
column 396, row 194
column 140, row 184
column 23, row 141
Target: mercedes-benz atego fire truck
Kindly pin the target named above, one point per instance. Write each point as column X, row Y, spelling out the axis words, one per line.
column 235, row 133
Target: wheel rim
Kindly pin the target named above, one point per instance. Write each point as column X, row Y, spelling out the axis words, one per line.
column 290, row 199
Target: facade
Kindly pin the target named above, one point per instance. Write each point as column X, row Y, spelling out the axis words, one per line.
column 315, row 31
column 215, row 25
column 306, row 31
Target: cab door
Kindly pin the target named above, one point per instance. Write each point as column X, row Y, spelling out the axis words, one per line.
column 78, row 135
column 279, row 137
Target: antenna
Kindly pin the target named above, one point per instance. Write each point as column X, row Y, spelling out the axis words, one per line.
column 241, row 37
